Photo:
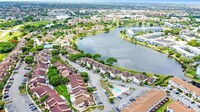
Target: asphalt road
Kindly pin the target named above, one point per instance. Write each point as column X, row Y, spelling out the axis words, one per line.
column 95, row 81
column 19, row 103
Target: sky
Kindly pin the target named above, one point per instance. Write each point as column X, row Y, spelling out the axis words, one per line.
column 143, row 1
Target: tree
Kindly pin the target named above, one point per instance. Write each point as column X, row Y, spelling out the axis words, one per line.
column 96, row 56
column 111, row 100
column 6, row 47
column 55, row 52
column 90, row 89
column 39, row 48
column 29, row 59
column 39, row 36
column 64, row 52
column 44, row 98
column 55, row 80
column 110, row 61
column 56, row 46
column 64, row 80
column 2, row 103
column 106, row 30
column 85, row 76
column 151, row 24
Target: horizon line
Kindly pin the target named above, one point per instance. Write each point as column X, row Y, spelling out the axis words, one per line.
column 38, row 1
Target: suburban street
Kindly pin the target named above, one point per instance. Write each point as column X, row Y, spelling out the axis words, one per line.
column 118, row 103
column 19, row 103
column 95, row 81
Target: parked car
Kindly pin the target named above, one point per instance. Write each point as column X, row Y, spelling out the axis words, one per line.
column 33, row 108
column 132, row 99
column 119, row 97
column 25, row 75
column 176, row 92
column 118, row 109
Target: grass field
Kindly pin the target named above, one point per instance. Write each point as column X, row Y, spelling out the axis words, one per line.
column 162, row 109
column 2, row 56
column 62, row 90
column 37, row 23
column 8, row 37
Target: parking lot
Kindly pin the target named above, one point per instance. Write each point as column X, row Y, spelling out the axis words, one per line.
column 125, row 99
column 176, row 96
column 15, row 101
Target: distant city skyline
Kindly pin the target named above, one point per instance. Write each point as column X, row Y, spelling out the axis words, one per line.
column 125, row 1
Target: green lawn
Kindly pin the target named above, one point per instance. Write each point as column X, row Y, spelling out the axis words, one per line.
column 90, row 109
column 8, row 37
column 38, row 23
column 62, row 90
column 105, row 84
column 162, row 109
column 2, row 56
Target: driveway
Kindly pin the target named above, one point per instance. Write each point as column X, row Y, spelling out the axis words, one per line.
column 19, row 103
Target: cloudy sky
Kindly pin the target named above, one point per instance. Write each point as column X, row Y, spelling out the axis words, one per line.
column 179, row 1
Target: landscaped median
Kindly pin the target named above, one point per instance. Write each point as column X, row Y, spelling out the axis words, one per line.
column 164, row 107
column 62, row 90
column 90, row 109
column 105, row 84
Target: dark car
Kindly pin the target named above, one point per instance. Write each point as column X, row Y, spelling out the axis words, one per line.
column 132, row 99
column 6, row 96
column 119, row 97
column 8, row 86
column 177, row 93
column 192, row 102
column 118, row 109
column 34, row 108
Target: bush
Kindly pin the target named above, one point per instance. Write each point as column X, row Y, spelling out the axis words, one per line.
column 29, row 59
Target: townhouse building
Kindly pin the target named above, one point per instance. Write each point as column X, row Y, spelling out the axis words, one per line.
column 149, row 102
column 178, row 107
column 186, row 87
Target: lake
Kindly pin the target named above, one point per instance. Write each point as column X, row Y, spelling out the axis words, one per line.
column 130, row 56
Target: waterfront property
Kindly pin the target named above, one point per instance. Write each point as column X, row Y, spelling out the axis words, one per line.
column 182, row 51
column 185, row 87
column 113, row 72
column 150, row 102
column 178, row 107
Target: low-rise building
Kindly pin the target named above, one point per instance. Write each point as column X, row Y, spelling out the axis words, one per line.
column 185, row 87
column 150, row 102
column 178, row 107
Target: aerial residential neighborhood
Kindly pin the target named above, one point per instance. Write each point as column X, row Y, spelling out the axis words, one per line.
column 100, row 56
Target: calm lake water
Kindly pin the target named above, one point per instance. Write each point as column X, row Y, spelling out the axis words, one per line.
column 130, row 56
